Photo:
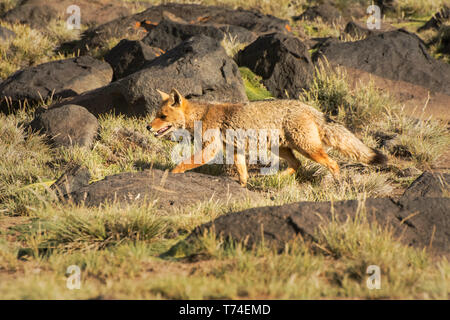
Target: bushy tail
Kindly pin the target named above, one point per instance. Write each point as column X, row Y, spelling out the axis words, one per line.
column 340, row 138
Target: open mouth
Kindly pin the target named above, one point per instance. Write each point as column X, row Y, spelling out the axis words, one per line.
column 162, row 131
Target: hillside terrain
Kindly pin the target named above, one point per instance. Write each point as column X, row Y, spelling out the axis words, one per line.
column 84, row 184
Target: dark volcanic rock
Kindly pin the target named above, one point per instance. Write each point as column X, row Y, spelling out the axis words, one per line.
column 130, row 56
column 134, row 26
column 38, row 13
column 429, row 220
column 169, row 190
column 68, row 125
column 429, row 184
column 396, row 55
column 325, row 11
column 387, row 5
column 198, row 68
column 443, row 40
column 284, row 223
column 62, row 78
column 168, row 34
column 6, row 34
column 358, row 29
column 283, row 62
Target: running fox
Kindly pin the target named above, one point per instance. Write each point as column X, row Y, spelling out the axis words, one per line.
column 300, row 126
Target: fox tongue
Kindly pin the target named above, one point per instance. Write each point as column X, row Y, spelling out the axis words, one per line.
column 162, row 130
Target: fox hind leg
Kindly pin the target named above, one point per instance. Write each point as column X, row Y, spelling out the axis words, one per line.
column 293, row 162
column 320, row 156
column 306, row 140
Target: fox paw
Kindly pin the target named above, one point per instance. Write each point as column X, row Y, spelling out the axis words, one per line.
column 288, row 172
column 177, row 170
column 243, row 183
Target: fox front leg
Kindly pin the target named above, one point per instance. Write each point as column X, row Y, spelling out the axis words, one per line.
column 205, row 156
column 241, row 166
column 179, row 169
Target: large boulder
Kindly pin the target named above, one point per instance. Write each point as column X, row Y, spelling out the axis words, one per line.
column 324, row 11
column 57, row 79
column 168, row 33
column 67, row 126
column 135, row 26
column 283, row 62
column 199, row 68
column 130, row 56
column 416, row 222
column 443, row 40
column 6, row 34
column 430, row 185
column 166, row 190
column 38, row 13
column 357, row 29
column 396, row 55
column 387, row 5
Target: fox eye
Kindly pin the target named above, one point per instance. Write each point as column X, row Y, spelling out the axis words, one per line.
column 163, row 116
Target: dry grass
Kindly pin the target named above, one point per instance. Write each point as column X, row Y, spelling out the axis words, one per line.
column 321, row 29
column 124, row 265
column 31, row 47
column 422, row 140
column 418, row 8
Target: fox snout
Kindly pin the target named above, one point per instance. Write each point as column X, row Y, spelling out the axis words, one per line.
column 160, row 128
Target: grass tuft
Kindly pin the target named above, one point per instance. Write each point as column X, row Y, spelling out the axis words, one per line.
column 254, row 88
column 96, row 229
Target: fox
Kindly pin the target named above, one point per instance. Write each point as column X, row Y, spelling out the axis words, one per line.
column 301, row 128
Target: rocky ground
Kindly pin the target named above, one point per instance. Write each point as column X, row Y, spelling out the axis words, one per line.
column 83, row 183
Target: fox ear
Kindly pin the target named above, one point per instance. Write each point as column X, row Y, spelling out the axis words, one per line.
column 164, row 96
column 176, row 98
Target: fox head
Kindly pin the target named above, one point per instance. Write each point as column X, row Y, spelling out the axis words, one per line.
column 170, row 115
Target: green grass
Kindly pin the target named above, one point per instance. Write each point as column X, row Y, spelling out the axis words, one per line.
column 334, row 266
column 96, row 230
column 31, row 47
column 320, row 29
column 254, row 88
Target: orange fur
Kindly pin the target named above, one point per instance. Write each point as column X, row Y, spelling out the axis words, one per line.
column 301, row 128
